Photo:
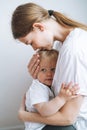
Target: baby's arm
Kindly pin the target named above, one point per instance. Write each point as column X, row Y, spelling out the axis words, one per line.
column 66, row 93
column 50, row 107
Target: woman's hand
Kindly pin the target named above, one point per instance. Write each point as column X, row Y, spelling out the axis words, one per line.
column 24, row 116
column 33, row 66
column 22, row 108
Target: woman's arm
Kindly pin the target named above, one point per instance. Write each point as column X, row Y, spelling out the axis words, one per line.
column 66, row 93
column 66, row 116
column 69, row 112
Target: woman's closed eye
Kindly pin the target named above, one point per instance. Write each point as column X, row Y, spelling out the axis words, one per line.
column 31, row 44
column 27, row 43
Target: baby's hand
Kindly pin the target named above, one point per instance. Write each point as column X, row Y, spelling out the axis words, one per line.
column 68, row 91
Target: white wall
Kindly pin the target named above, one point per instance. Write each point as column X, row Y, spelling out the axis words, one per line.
column 14, row 57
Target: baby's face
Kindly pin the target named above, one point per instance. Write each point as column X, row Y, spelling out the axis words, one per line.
column 47, row 70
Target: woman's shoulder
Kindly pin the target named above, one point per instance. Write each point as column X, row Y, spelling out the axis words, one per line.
column 75, row 42
column 79, row 32
column 76, row 35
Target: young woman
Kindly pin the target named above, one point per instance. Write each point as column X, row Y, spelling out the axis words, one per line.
column 33, row 25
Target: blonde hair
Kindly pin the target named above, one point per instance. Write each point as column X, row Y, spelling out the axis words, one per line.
column 26, row 15
column 51, row 54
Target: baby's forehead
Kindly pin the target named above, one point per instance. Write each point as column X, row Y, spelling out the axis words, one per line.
column 48, row 61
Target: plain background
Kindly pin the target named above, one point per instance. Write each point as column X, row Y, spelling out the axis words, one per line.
column 14, row 57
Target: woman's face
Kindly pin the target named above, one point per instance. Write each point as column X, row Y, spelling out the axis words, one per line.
column 38, row 39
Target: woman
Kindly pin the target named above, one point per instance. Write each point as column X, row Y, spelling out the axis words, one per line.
column 40, row 28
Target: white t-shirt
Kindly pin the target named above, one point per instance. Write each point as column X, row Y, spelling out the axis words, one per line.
column 37, row 93
column 72, row 66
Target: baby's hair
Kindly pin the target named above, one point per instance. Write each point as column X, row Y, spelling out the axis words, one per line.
column 51, row 54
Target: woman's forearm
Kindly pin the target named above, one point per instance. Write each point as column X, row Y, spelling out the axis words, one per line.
column 66, row 116
column 36, row 117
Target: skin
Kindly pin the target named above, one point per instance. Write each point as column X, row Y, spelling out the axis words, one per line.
column 46, row 71
column 45, row 76
column 61, row 118
column 43, row 36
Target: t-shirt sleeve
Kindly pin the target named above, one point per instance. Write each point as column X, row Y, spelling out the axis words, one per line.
column 38, row 94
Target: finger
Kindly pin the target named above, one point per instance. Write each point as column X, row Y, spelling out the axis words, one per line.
column 69, row 85
column 35, row 69
column 75, row 88
column 63, row 85
column 32, row 66
column 75, row 96
column 22, row 106
column 33, row 61
column 35, row 72
column 75, row 92
column 68, row 92
column 34, row 58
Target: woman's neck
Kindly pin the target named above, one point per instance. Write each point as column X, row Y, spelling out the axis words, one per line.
column 60, row 32
column 64, row 33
